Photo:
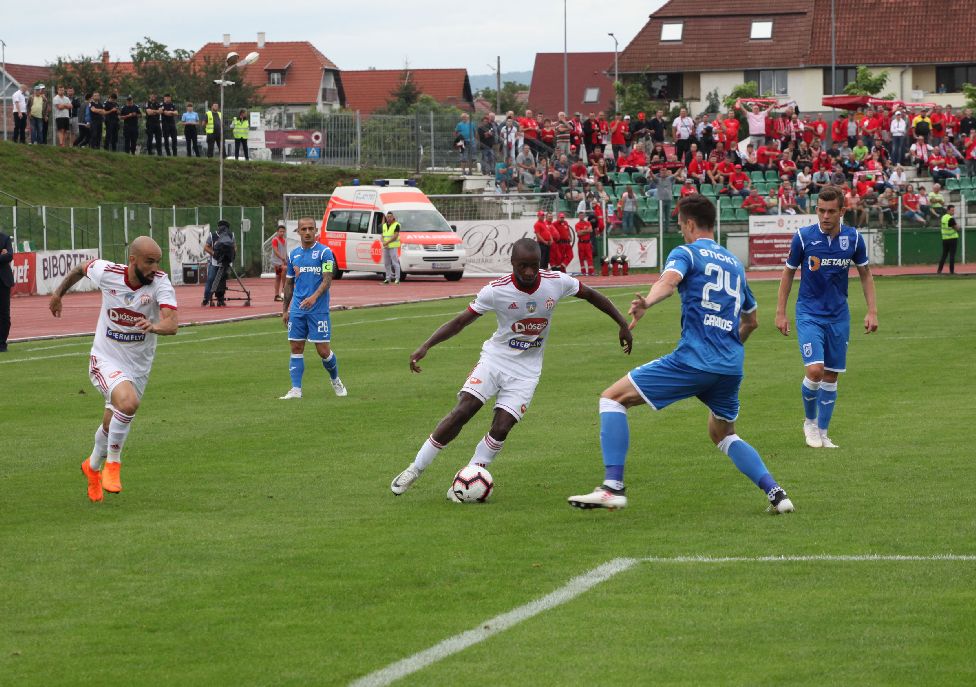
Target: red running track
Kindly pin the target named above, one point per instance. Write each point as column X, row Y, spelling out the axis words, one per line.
column 31, row 319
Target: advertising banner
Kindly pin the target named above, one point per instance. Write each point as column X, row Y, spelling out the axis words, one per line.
column 24, row 266
column 770, row 237
column 186, row 246
column 53, row 266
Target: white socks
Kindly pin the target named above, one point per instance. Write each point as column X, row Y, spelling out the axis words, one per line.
column 118, row 431
column 486, row 450
column 97, row 457
column 426, row 454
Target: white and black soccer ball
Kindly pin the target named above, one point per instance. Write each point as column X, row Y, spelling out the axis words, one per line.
column 472, row 484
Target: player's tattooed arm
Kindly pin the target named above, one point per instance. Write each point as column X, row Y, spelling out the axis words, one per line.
column 72, row 278
column 168, row 323
column 323, row 287
column 443, row 333
column 602, row 303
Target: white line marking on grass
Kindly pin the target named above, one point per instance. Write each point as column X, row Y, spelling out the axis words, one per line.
column 588, row 580
column 499, row 623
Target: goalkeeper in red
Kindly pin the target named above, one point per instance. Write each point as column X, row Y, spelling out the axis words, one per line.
column 138, row 304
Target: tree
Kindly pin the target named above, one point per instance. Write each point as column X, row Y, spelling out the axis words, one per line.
column 633, row 97
column 510, row 100
column 970, row 92
column 866, row 83
column 403, row 97
column 749, row 89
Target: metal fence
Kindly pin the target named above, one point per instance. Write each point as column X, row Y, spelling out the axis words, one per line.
column 111, row 227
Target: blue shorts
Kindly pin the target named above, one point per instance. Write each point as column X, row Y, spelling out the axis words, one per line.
column 309, row 326
column 664, row 381
column 824, row 343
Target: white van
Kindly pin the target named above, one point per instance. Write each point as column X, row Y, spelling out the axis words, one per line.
column 353, row 228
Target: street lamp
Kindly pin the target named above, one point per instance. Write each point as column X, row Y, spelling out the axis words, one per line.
column 616, row 74
column 233, row 60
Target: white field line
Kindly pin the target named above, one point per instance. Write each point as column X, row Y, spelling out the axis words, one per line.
column 585, row 582
column 499, row 623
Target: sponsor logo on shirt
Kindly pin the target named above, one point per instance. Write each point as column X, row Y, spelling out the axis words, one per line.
column 530, row 325
column 125, row 317
column 313, row 269
column 524, row 345
column 474, row 380
column 815, row 263
column 125, row 337
column 513, row 306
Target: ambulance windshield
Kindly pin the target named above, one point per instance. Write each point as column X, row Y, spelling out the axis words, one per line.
column 421, row 220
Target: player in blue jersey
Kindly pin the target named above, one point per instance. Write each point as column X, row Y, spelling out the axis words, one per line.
column 824, row 252
column 306, row 308
column 718, row 312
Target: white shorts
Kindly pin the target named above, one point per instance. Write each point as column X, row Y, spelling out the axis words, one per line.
column 106, row 374
column 512, row 394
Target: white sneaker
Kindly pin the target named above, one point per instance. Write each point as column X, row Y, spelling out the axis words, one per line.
column 812, row 434
column 825, row 440
column 339, row 387
column 293, row 392
column 601, row 497
column 404, row 480
column 451, row 496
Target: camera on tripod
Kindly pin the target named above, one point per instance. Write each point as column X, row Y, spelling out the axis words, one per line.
column 224, row 253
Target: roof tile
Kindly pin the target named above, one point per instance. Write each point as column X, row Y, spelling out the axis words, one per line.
column 370, row 90
column 586, row 70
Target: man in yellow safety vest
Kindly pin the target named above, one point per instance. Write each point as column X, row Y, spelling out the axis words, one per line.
column 391, row 248
column 241, row 125
column 950, row 237
column 214, row 129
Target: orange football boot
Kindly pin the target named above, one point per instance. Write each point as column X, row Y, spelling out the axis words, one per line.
column 94, row 481
column 111, row 477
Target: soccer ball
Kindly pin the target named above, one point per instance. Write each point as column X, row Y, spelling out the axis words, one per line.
column 472, row 484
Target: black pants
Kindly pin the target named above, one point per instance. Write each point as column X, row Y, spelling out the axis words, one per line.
column 190, row 133
column 214, row 140
column 95, row 140
column 130, row 139
column 154, row 132
column 544, row 249
column 948, row 250
column 20, row 128
column 238, row 144
column 4, row 314
column 84, row 135
column 111, row 136
column 169, row 136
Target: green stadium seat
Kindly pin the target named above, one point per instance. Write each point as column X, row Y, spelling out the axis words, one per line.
column 737, row 201
column 757, row 176
column 727, row 215
column 772, row 175
column 708, row 190
column 761, row 186
column 953, row 185
column 622, row 178
column 642, row 204
column 649, row 216
column 742, row 215
column 677, row 191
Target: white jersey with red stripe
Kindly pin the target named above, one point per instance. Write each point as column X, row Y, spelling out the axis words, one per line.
column 126, row 302
column 523, row 320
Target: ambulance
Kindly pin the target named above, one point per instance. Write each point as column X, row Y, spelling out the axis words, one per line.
column 353, row 228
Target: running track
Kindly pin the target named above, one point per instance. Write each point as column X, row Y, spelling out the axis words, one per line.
column 30, row 318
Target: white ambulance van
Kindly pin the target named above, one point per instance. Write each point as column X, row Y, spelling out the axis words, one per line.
column 353, row 228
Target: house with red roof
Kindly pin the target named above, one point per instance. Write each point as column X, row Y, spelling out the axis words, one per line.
column 590, row 83
column 692, row 47
column 370, row 90
column 18, row 75
column 291, row 77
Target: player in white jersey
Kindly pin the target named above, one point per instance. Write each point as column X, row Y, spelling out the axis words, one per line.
column 511, row 360
column 138, row 303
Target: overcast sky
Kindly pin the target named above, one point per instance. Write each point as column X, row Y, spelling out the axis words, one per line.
column 355, row 34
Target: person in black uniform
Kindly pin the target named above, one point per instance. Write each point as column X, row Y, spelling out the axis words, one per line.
column 97, row 120
column 130, row 126
column 153, row 125
column 84, row 123
column 111, row 107
column 6, row 284
column 170, row 115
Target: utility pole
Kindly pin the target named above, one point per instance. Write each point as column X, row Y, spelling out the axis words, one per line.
column 616, row 73
column 565, row 65
column 3, row 91
column 498, row 85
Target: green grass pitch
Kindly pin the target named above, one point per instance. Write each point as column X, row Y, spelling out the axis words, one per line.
column 256, row 541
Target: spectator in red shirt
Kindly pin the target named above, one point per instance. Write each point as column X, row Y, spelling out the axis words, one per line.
column 754, row 203
column 739, row 183
column 584, row 245
column 542, row 237
column 530, row 131
column 688, row 188
column 787, row 199
column 696, row 170
column 563, row 240
column 731, row 124
column 819, row 127
column 721, row 171
column 578, row 171
column 787, row 168
column 768, row 155
column 547, row 138
column 838, row 131
column 910, row 206
column 938, row 126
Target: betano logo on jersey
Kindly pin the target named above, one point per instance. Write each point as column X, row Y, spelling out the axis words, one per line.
column 125, row 317
column 309, row 269
column 814, row 263
column 530, row 325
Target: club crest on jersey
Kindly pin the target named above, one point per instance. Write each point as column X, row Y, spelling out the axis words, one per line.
column 315, row 254
column 530, row 307
column 844, row 243
column 550, row 303
column 128, row 298
column 807, row 350
column 145, row 299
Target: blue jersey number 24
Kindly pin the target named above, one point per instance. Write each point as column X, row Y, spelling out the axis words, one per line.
column 723, row 281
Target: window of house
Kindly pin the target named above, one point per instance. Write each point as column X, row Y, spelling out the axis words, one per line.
column 770, row 80
column 591, row 95
column 953, row 77
column 275, row 78
column 761, row 30
column 844, row 76
column 672, row 32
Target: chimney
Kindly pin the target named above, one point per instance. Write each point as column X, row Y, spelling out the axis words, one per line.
column 260, row 39
column 226, row 40
column 105, row 57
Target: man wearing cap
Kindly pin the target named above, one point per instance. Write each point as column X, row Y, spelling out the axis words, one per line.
column 130, row 126
column 279, row 257
column 543, row 238
column 37, row 109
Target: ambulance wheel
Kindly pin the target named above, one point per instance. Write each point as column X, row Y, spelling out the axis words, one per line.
column 453, row 276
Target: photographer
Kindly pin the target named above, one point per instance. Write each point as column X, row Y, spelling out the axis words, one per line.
column 222, row 250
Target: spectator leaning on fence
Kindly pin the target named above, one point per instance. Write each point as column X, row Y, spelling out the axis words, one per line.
column 464, row 142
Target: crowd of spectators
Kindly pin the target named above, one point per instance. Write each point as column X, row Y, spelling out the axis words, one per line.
column 765, row 158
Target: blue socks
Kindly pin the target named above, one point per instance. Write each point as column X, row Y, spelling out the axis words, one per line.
column 331, row 364
column 614, row 441
column 747, row 459
column 826, row 400
column 810, row 390
column 296, row 366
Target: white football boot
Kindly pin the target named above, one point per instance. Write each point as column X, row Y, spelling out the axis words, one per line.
column 404, row 480
column 601, row 497
column 340, row 388
column 825, row 440
column 812, row 434
column 451, row 496
column 293, row 392
column 779, row 502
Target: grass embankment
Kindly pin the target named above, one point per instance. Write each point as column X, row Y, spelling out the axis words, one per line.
column 46, row 175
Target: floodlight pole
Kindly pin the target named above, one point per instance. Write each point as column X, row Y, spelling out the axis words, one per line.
column 616, row 73
column 232, row 62
column 565, row 64
column 3, row 58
